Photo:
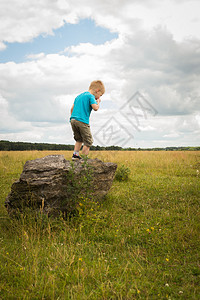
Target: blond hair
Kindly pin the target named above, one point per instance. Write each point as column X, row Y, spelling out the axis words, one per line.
column 97, row 84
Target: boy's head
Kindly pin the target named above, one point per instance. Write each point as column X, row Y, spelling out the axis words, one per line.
column 97, row 88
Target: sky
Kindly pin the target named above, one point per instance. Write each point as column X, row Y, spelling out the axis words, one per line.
column 146, row 52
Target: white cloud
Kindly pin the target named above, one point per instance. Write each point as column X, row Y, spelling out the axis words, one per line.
column 2, row 46
column 150, row 56
column 36, row 56
column 41, row 17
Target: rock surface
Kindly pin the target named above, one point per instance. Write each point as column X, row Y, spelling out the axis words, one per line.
column 54, row 184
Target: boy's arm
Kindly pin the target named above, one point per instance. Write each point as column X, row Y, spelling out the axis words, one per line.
column 72, row 108
column 96, row 106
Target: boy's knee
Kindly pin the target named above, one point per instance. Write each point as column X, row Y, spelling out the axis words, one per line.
column 88, row 142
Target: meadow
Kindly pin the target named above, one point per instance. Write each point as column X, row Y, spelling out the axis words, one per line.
column 141, row 242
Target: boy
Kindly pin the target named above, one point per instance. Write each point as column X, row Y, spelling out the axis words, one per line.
column 80, row 113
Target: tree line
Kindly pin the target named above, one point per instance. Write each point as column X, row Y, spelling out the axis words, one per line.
column 23, row 146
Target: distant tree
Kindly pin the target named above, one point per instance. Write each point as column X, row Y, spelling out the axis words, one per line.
column 21, row 146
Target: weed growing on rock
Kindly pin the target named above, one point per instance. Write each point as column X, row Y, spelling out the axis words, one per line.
column 79, row 186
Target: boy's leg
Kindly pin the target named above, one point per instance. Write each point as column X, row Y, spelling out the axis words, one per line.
column 77, row 146
column 81, row 133
column 87, row 138
column 78, row 139
column 85, row 150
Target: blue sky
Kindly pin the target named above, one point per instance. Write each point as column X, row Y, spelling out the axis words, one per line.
column 86, row 31
column 147, row 48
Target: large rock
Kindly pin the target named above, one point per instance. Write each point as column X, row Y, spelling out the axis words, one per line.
column 54, row 184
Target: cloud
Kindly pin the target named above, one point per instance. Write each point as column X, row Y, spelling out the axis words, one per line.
column 44, row 16
column 149, row 56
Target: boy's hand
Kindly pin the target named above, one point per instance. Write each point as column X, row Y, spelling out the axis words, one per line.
column 96, row 106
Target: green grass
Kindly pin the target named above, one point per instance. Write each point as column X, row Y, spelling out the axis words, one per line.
column 142, row 242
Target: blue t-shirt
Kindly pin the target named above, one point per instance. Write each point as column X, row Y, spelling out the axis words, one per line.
column 82, row 107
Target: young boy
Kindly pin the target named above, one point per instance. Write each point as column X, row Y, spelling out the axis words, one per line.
column 80, row 113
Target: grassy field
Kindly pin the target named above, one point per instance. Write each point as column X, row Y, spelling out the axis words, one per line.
column 142, row 242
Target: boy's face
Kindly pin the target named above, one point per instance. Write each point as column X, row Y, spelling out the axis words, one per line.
column 97, row 94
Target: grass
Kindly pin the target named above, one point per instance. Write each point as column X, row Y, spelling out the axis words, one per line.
column 142, row 242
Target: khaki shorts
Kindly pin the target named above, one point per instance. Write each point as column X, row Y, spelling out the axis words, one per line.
column 82, row 132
